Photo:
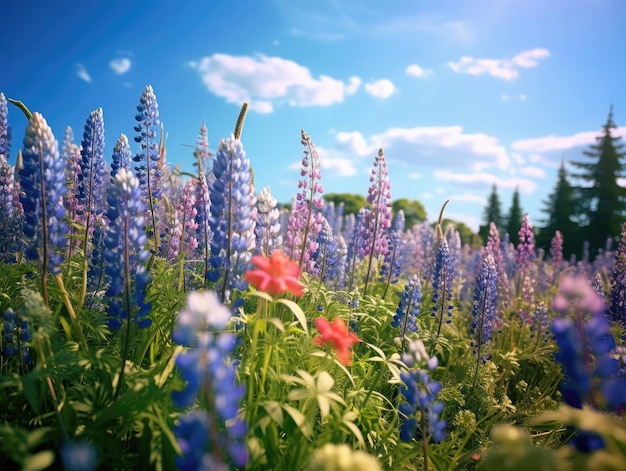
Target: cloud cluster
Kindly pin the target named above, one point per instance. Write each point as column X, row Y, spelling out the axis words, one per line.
column 121, row 65
column 414, row 70
column 381, row 88
column 265, row 81
column 505, row 69
column 82, row 73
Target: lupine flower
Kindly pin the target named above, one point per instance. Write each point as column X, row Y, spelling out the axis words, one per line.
column 526, row 245
column 148, row 160
column 541, row 326
column 355, row 247
column 392, row 263
column 420, row 392
column 337, row 335
column 378, row 218
column 617, row 296
column 556, row 253
column 203, row 205
column 43, row 186
column 73, row 160
column 495, row 247
column 9, row 217
column 208, row 373
column 592, row 373
column 484, row 315
column 275, row 275
column 442, row 283
column 409, row 307
column 185, row 225
column 78, row 456
column 305, row 221
column 233, row 217
column 202, row 151
column 267, row 231
column 15, row 335
column 325, row 255
column 125, row 253
column 122, row 156
column 5, row 130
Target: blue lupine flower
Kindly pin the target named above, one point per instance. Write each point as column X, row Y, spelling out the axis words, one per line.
column 10, row 218
column 208, row 373
column 420, row 393
column 122, row 156
column 79, row 456
column 495, row 247
column 43, row 186
column 125, row 253
column 15, row 334
column 442, row 283
column 205, row 236
column 326, row 253
column 592, row 372
column 617, row 296
column 148, row 163
column 484, row 316
column 409, row 307
column 233, row 218
column 5, row 130
column 391, row 267
column 305, row 220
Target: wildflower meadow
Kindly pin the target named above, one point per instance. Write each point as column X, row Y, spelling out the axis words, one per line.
column 153, row 319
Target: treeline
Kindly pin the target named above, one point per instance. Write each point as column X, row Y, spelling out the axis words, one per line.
column 589, row 215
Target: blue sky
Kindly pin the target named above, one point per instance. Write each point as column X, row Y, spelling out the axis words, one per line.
column 459, row 94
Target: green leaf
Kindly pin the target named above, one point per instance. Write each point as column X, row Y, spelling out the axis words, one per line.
column 299, row 419
column 274, row 410
column 276, row 322
column 298, row 312
column 39, row 461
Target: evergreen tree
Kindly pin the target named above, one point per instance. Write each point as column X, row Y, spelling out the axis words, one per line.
column 492, row 213
column 560, row 207
column 601, row 196
column 514, row 219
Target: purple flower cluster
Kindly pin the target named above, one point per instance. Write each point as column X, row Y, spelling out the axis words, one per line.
column 392, row 264
column 421, row 411
column 305, row 220
column 43, row 186
column 15, row 335
column 214, row 436
column 617, row 297
column 586, row 351
column 442, row 283
column 484, row 314
column 121, row 156
column 233, row 218
column 268, row 235
column 125, row 253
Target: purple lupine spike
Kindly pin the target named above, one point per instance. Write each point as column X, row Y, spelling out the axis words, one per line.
column 355, row 245
column 233, row 218
column 592, row 373
column 329, row 213
column 540, row 330
column 326, row 253
column 348, row 226
column 268, row 231
column 122, row 156
column 5, row 130
column 420, row 393
column 391, row 267
column 426, row 237
column 148, row 163
column 495, row 248
column 617, row 294
column 338, row 228
column 91, row 177
column 408, row 309
column 125, row 254
column 203, row 153
column 305, row 220
column 10, row 220
column 211, row 376
column 43, row 186
column 204, row 234
column 526, row 246
column 185, row 226
column 484, row 314
column 378, row 219
column 443, row 274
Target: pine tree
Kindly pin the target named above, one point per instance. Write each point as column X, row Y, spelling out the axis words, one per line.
column 492, row 213
column 601, row 196
column 560, row 207
column 515, row 216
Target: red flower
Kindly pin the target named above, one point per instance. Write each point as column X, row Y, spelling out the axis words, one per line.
column 275, row 275
column 337, row 335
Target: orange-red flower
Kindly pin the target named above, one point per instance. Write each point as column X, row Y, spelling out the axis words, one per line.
column 275, row 275
column 337, row 335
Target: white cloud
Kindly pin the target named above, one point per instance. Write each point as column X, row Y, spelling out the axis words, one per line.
column 533, row 172
column 121, row 65
column 414, row 175
column 484, row 181
column 265, row 81
column 507, row 97
column 432, row 146
column 505, row 69
column 470, row 198
column 552, row 142
column 470, row 221
column 332, row 163
column 381, row 88
column 82, row 73
column 415, row 70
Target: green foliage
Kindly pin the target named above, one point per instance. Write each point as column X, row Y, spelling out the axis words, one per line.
column 352, row 202
column 514, row 217
column 492, row 213
column 414, row 211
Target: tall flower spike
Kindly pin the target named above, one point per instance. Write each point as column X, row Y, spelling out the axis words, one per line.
column 268, row 235
column 204, row 235
column 495, row 248
column 121, row 156
column 617, row 296
column 442, row 283
column 215, row 436
column 409, row 307
column 5, row 130
column 305, row 221
column 378, row 219
column 43, row 186
column 391, row 267
column 125, row 253
column 326, row 254
column 148, row 160
column 233, row 218
column 9, row 217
